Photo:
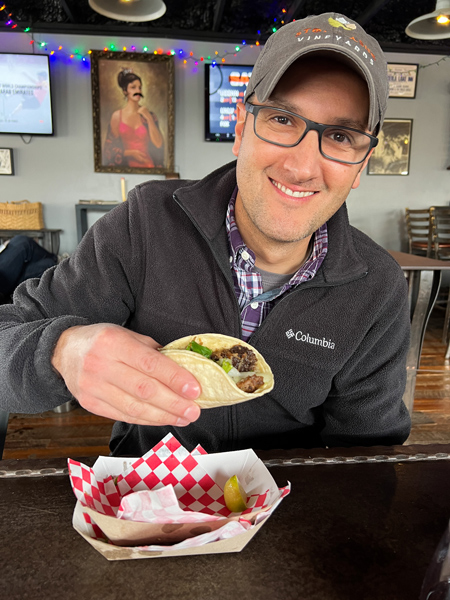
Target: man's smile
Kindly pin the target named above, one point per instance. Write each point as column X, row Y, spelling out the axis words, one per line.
column 290, row 192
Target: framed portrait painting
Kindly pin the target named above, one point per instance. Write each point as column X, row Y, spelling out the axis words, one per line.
column 391, row 155
column 133, row 112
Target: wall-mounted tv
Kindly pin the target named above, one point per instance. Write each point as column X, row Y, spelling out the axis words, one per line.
column 25, row 94
column 225, row 86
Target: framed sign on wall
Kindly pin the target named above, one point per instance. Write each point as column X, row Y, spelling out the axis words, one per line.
column 402, row 80
column 133, row 112
column 391, row 156
column 6, row 161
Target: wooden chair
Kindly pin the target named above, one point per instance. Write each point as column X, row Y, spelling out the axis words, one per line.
column 418, row 225
column 440, row 246
column 440, row 232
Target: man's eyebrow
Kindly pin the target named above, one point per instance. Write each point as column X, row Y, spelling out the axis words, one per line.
column 343, row 121
column 349, row 123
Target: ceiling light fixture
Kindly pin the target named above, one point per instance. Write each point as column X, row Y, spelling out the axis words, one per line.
column 432, row 26
column 130, row 10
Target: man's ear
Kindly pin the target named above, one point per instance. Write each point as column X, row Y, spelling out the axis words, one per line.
column 241, row 114
column 363, row 166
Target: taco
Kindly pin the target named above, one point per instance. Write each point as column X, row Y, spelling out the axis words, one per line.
column 228, row 369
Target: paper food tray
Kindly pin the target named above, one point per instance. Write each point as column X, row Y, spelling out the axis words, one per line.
column 200, row 523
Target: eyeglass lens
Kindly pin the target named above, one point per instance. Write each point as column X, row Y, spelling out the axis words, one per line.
column 286, row 129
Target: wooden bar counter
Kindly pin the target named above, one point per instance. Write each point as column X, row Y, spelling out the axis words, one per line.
column 359, row 523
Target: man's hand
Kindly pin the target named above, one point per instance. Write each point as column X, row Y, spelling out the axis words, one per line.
column 119, row 374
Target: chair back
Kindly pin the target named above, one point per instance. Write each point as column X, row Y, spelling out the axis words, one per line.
column 440, row 232
column 418, row 225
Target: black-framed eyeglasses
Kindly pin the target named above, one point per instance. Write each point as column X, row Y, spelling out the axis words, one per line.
column 284, row 128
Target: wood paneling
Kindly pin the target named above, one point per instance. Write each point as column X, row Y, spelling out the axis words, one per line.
column 53, row 435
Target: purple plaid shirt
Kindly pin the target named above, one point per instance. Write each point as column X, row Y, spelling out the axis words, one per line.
column 247, row 281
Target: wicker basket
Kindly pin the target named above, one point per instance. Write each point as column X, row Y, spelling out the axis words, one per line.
column 21, row 215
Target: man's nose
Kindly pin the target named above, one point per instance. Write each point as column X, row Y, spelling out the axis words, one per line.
column 305, row 159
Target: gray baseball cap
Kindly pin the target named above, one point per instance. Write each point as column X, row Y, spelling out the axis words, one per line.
column 330, row 33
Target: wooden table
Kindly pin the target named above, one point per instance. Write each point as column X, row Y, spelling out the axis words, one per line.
column 424, row 279
column 359, row 524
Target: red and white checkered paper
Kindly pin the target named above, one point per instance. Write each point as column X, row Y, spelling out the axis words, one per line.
column 130, row 494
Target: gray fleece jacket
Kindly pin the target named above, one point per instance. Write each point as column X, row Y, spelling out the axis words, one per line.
column 159, row 265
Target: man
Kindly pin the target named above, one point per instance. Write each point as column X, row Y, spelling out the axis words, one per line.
column 263, row 251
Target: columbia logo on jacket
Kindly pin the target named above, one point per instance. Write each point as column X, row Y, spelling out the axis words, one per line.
column 305, row 337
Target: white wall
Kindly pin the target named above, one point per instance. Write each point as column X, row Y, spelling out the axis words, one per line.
column 59, row 171
column 377, row 206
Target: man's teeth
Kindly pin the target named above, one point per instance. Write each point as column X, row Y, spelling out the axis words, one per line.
column 290, row 192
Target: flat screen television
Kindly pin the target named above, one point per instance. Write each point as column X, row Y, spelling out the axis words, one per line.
column 25, row 94
column 225, row 86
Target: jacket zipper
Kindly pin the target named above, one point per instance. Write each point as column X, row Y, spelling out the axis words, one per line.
column 305, row 285
column 218, row 262
column 231, row 433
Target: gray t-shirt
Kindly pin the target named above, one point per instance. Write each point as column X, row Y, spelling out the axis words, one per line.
column 272, row 281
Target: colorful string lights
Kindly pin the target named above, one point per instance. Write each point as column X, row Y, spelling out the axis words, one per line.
column 185, row 56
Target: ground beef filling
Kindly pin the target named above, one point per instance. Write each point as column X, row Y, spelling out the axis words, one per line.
column 244, row 360
column 250, row 384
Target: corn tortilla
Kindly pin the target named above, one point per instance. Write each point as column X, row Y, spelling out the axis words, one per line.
column 218, row 388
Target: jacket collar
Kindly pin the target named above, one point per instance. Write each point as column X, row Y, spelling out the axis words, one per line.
column 343, row 261
column 206, row 202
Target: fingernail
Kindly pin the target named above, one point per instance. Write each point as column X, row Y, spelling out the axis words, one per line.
column 182, row 423
column 191, row 391
column 191, row 413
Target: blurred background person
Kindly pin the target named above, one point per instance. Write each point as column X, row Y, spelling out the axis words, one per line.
column 21, row 258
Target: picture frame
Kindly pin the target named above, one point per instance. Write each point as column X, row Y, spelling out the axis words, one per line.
column 402, row 80
column 392, row 154
column 132, row 133
column 6, row 161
